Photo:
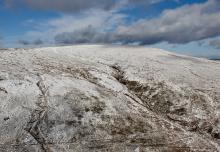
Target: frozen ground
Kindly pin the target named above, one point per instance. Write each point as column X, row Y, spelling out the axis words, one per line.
column 108, row 98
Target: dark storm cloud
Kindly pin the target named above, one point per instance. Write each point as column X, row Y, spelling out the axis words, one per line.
column 34, row 42
column 23, row 42
column 38, row 42
column 86, row 35
column 1, row 38
column 215, row 44
column 76, row 5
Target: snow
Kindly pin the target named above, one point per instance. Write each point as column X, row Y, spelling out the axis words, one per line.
column 95, row 94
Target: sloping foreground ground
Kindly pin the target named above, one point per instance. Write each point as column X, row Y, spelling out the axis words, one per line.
column 91, row 98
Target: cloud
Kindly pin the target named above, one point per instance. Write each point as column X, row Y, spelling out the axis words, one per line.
column 1, row 38
column 177, row 26
column 215, row 44
column 63, row 29
column 38, row 42
column 76, row 5
column 91, row 27
column 86, row 35
column 34, row 42
column 182, row 25
column 24, row 42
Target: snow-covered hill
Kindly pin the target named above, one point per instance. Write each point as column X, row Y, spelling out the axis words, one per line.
column 108, row 98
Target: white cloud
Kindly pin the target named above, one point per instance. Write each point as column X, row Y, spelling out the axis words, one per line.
column 181, row 25
column 99, row 20
column 177, row 26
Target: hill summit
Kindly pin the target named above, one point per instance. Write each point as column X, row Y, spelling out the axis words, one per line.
column 108, row 98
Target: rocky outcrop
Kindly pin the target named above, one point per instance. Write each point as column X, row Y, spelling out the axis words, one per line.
column 108, row 98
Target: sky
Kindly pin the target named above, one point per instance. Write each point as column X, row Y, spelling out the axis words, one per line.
column 190, row 27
